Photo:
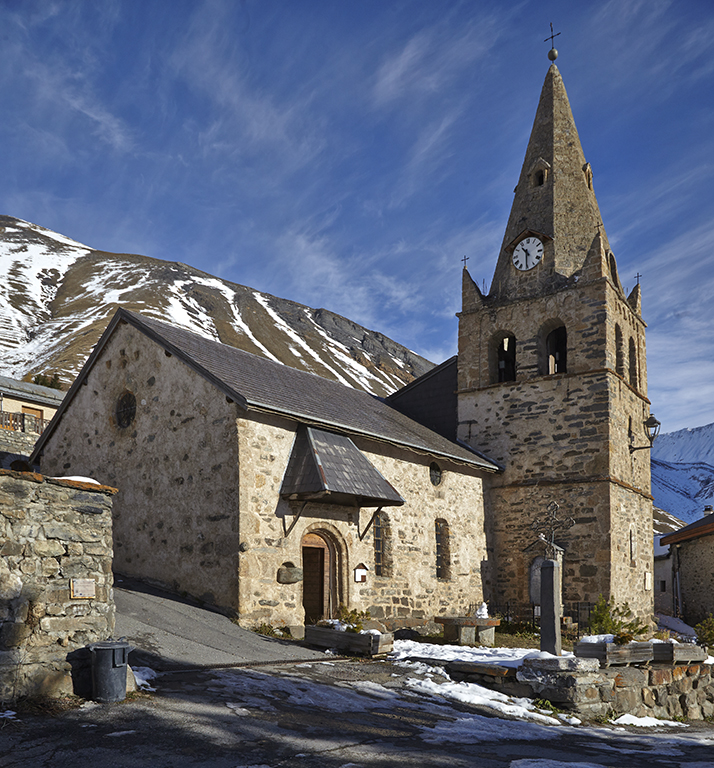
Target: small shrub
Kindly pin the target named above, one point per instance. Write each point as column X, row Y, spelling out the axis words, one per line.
column 353, row 619
column 45, row 380
column 705, row 632
column 606, row 618
column 265, row 629
column 546, row 705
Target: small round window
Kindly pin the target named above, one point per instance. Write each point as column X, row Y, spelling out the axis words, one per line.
column 435, row 473
column 126, row 410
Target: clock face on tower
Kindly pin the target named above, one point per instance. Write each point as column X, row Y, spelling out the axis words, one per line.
column 527, row 253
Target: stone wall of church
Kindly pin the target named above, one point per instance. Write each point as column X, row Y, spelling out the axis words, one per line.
column 565, row 438
column 175, row 465
column 411, row 595
column 632, row 557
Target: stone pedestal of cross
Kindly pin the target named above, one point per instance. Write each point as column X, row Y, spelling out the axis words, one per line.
column 550, row 603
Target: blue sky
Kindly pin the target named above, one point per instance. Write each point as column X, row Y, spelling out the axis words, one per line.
column 347, row 153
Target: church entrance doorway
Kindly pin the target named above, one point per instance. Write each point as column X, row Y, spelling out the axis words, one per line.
column 320, row 565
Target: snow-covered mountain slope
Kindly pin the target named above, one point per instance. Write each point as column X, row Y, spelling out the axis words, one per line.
column 663, row 522
column 683, row 471
column 58, row 296
column 686, row 445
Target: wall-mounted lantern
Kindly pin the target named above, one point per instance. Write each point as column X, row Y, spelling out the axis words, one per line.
column 651, row 426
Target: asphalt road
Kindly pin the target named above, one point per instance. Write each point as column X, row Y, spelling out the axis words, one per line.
column 170, row 632
column 319, row 713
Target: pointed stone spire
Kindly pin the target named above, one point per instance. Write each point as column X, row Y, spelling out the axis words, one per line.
column 471, row 296
column 554, row 199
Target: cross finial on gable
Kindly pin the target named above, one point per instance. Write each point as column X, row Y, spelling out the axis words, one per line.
column 465, row 259
column 637, row 277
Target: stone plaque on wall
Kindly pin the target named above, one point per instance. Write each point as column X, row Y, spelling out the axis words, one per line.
column 82, row 589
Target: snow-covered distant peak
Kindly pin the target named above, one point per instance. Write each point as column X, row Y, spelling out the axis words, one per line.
column 20, row 225
column 686, row 445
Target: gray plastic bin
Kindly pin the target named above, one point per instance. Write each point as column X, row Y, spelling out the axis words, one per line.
column 109, row 660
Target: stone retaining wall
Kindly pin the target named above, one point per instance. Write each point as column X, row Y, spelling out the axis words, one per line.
column 12, row 441
column 55, row 550
column 580, row 686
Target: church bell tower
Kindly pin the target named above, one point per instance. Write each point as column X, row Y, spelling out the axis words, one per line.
column 552, row 383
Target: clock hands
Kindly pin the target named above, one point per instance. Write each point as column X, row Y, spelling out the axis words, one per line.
column 527, row 253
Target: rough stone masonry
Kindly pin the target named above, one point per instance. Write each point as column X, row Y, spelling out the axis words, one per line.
column 55, row 578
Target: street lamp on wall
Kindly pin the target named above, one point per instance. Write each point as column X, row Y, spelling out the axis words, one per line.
column 651, row 426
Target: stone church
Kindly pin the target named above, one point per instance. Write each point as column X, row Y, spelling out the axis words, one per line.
column 279, row 496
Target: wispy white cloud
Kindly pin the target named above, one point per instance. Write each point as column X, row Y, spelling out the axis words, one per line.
column 240, row 118
column 60, row 82
column 429, row 62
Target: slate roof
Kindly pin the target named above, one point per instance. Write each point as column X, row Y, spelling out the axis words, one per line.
column 256, row 383
column 36, row 393
column 431, row 399
column 330, row 468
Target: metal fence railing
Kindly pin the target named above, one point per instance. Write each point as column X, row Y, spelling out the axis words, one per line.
column 575, row 615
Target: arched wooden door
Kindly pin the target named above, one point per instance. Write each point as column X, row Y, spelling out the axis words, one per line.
column 319, row 577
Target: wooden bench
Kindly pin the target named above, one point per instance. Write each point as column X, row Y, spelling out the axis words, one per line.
column 464, row 630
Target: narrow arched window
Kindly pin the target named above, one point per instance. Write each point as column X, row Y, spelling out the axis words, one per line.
column 556, row 348
column 619, row 352
column 443, row 550
column 382, row 548
column 506, row 359
column 633, row 363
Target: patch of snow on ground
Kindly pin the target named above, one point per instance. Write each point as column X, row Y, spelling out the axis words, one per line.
column 77, row 479
column 476, row 729
column 676, row 625
column 645, row 722
column 477, row 695
column 143, row 675
column 597, row 639
column 545, row 763
column 506, row 657
column 8, row 714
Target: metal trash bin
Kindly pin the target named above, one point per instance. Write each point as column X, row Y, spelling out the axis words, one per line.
column 109, row 659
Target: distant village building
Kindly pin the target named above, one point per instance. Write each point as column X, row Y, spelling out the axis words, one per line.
column 25, row 410
column 280, row 495
column 692, row 563
column 667, row 595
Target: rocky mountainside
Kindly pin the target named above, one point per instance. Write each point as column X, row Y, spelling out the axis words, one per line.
column 58, row 296
column 683, row 472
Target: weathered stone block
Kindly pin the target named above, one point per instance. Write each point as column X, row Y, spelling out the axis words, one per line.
column 10, row 586
column 660, row 676
column 631, row 676
column 48, row 548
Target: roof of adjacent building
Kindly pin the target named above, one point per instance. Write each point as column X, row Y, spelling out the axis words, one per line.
column 702, row 527
column 330, row 468
column 258, row 384
column 431, row 399
column 35, row 393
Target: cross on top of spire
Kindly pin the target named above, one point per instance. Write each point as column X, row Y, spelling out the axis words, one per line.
column 552, row 53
